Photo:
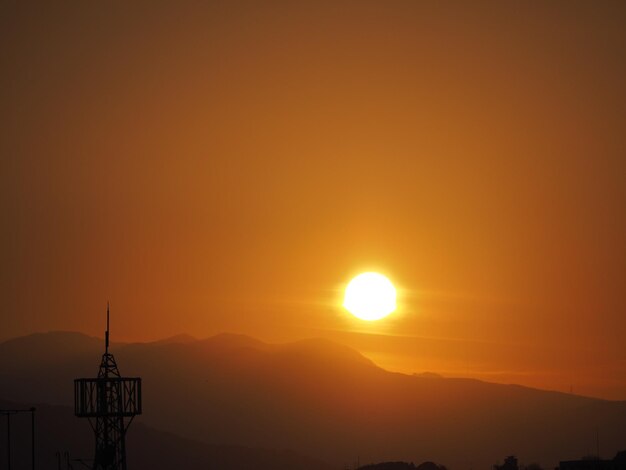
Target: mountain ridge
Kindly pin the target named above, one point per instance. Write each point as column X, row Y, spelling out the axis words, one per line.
column 232, row 341
column 321, row 399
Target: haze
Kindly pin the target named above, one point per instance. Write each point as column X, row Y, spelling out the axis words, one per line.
column 230, row 166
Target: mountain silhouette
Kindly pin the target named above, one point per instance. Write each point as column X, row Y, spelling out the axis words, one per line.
column 320, row 399
column 180, row 338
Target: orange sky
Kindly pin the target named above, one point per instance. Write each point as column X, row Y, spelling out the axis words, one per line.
column 229, row 166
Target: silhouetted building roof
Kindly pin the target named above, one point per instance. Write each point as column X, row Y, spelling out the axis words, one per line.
column 617, row 463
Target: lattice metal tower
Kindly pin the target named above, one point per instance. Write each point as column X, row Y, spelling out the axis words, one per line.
column 112, row 401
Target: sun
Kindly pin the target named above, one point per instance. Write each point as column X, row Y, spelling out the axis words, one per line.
column 370, row 296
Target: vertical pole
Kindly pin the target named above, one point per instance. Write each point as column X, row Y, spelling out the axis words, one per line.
column 32, row 441
column 9, row 441
column 106, row 334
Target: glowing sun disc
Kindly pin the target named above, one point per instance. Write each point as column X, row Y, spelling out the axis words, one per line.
column 370, row 296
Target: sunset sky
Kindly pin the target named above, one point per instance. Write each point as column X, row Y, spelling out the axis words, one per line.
column 230, row 166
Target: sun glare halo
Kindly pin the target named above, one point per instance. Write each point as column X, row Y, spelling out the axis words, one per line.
column 370, row 296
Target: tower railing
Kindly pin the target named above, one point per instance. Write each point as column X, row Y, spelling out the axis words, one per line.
column 107, row 400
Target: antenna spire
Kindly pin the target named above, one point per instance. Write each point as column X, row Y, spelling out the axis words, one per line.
column 106, row 334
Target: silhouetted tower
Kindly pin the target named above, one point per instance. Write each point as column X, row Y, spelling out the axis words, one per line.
column 108, row 400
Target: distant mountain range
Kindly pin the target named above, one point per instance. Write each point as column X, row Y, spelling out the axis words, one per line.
column 57, row 430
column 317, row 398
